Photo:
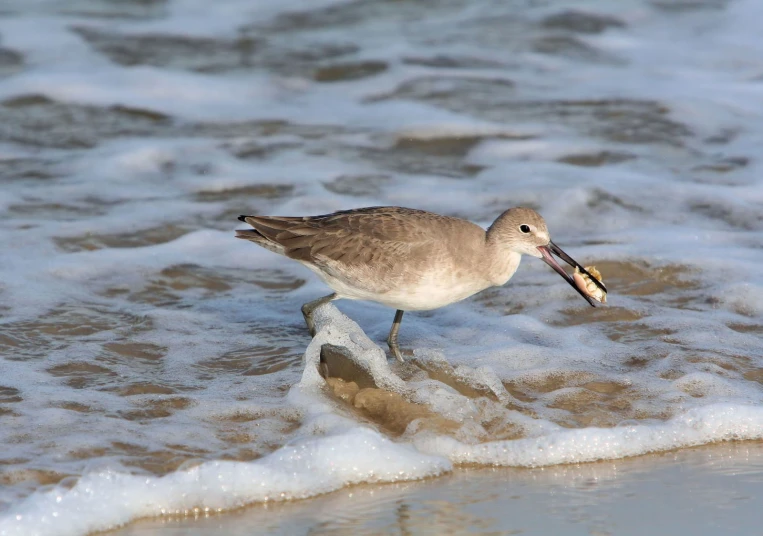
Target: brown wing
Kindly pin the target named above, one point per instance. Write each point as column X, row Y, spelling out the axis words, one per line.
column 348, row 242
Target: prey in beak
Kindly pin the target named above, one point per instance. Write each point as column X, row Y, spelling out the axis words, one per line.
column 546, row 252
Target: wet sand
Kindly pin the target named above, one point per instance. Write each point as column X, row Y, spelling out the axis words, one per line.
column 708, row 490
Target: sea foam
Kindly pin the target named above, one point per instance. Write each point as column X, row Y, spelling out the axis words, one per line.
column 127, row 306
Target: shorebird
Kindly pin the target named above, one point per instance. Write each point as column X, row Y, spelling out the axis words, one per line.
column 407, row 259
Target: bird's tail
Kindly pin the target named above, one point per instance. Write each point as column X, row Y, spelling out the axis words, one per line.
column 253, row 235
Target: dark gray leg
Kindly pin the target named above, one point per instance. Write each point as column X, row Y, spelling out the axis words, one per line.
column 309, row 307
column 392, row 338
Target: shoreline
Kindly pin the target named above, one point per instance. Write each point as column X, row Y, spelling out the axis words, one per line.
column 700, row 490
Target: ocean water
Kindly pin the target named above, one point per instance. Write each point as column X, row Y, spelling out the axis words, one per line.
column 154, row 365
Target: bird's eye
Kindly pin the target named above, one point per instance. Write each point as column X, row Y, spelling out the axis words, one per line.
column 524, row 228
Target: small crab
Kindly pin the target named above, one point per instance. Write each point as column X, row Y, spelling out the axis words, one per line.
column 589, row 287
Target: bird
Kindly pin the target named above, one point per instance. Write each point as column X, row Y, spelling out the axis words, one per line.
column 408, row 259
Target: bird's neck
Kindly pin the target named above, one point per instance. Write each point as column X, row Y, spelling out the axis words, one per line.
column 500, row 262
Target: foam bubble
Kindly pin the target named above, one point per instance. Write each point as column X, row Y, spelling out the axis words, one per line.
column 699, row 426
column 129, row 308
column 309, row 467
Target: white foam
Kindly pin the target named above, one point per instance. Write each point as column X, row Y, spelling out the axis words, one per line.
column 699, row 426
column 336, row 329
column 106, row 499
column 663, row 210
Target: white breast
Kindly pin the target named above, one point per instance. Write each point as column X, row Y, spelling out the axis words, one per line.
column 436, row 289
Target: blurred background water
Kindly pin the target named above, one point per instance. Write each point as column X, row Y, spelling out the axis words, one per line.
column 138, row 337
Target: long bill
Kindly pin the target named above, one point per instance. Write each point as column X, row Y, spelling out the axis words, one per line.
column 546, row 251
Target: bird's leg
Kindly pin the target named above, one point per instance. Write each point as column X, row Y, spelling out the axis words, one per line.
column 392, row 338
column 309, row 307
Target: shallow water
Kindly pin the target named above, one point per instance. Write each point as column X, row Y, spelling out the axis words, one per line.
column 707, row 490
column 143, row 347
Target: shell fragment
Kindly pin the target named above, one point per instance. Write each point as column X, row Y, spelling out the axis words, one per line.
column 586, row 285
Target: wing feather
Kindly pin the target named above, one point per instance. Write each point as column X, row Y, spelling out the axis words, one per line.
column 391, row 242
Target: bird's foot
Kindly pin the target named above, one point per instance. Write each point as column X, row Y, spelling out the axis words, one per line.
column 395, row 349
column 310, row 307
column 308, row 314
